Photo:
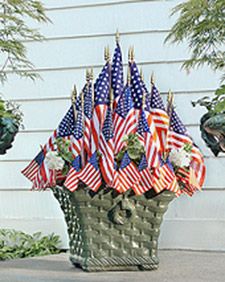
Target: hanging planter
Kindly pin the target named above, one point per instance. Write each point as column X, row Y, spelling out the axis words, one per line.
column 10, row 121
column 212, row 123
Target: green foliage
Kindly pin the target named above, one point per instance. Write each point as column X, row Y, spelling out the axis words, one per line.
column 64, row 152
column 9, row 109
column 202, row 24
column 17, row 244
column 14, row 15
column 216, row 104
column 134, row 148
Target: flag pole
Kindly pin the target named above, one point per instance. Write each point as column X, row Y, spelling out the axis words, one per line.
column 74, row 99
column 117, row 37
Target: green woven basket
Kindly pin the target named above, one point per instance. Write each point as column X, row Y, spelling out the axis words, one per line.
column 111, row 231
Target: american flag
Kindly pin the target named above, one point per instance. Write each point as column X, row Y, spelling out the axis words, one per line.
column 152, row 152
column 136, row 88
column 66, row 130
column 128, row 174
column 72, row 179
column 42, row 177
column 166, row 177
column 102, row 99
column 124, row 119
column 178, row 137
column 146, row 176
column 149, row 117
column 160, row 117
column 88, row 109
column 117, row 74
column 106, row 148
column 90, row 174
column 78, row 133
column 32, row 169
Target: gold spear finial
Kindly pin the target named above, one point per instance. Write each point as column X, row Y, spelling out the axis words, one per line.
column 128, row 75
column 91, row 74
column 107, row 54
column 117, row 36
column 132, row 54
column 170, row 102
column 152, row 78
column 74, row 94
column 129, row 54
column 87, row 75
column 74, row 99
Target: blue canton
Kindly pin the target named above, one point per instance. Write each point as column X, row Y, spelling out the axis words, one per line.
column 40, row 158
column 94, row 161
column 67, row 125
column 156, row 100
column 78, row 131
column 77, row 163
column 136, row 86
column 176, row 124
column 143, row 163
column 125, row 161
column 143, row 124
column 107, row 129
column 88, row 101
column 101, row 86
column 117, row 72
column 125, row 103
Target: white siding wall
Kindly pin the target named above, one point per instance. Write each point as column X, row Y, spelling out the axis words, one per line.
column 75, row 41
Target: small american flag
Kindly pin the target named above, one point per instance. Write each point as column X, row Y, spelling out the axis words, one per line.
column 124, row 119
column 88, row 110
column 106, row 148
column 41, row 176
column 178, row 137
column 152, row 152
column 72, row 179
column 90, row 174
column 146, row 177
column 160, row 117
column 32, row 169
column 128, row 174
column 117, row 74
column 78, row 133
column 136, row 88
column 166, row 177
column 101, row 88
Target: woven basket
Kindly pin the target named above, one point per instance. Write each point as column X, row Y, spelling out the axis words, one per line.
column 111, row 231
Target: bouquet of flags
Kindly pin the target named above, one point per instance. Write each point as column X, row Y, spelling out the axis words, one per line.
column 120, row 135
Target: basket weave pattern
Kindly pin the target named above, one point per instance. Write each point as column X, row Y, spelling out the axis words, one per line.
column 111, row 231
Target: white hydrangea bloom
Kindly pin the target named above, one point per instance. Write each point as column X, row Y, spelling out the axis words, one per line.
column 179, row 157
column 53, row 161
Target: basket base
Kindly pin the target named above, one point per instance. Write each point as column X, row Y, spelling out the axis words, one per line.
column 116, row 263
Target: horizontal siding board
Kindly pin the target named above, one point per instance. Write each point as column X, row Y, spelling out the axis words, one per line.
column 202, row 205
column 110, row 18
column 68, row 52
column 13, row 179
column 29, row 204
column 194, row 234
column 58, row 83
